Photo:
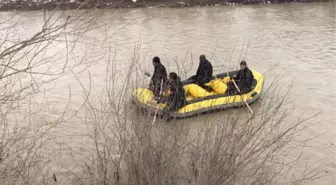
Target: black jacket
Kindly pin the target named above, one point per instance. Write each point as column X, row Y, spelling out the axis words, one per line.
column 177, row 98
column 160, row 73
column 244, row 79
column 204, row 72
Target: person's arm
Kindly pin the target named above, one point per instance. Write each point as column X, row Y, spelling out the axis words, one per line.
column 193, row 77
column 163, row 75
column 181, row 96
column 203, row 81
column 237, row 76
column 249, row 78
column 198, row 70
column 210, row 72
column 153, row 79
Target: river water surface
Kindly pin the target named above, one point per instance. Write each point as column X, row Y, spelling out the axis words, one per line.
column 297, row 41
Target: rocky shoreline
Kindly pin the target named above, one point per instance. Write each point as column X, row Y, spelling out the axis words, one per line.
column 94, row 4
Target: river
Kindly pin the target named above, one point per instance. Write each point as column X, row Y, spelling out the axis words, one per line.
column 295, row 40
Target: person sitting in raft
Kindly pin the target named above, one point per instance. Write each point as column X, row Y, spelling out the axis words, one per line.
column 204, row 72
column 177, row 98
column 159, row 76
column 244, row 79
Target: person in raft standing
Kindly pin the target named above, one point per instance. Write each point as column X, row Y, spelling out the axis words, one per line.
column 159, row 76
column 244, row 80
column 204, row 72
column 177, row 98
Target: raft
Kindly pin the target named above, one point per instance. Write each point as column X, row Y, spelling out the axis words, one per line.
column 200, row 100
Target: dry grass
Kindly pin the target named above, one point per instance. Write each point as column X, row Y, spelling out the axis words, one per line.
column 26, row 67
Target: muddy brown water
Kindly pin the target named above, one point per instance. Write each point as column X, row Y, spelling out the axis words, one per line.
column 296, row 41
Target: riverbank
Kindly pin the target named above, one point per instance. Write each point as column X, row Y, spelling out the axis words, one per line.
column 61, row 5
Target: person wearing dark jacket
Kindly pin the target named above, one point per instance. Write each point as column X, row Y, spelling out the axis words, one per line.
column 244, row 79
column 204, row 72
column 177, row 97
column 159, row 76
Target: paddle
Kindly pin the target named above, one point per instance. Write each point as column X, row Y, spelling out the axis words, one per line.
column 234, row 83
column 158, row 104
column 157, row 107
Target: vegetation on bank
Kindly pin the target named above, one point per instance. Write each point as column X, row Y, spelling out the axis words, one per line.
column 125, row 148
column 6, row 5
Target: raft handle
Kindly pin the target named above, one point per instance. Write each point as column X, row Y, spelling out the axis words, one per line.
column 254, row 94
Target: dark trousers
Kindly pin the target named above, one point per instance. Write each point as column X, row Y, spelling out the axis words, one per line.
column 234, row 91
column 172, row 103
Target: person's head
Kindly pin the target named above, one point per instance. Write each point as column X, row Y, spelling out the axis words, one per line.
column 202, row 57
column 156, row 61
column 243, row 64
column 173, row 76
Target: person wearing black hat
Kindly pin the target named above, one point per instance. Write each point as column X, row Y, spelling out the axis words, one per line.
column 177, row 97
column 159, row 76
column 244, row 79
column 204, row 72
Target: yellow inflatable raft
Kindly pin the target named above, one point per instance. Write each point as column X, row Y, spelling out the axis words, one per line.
column 200, row 100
